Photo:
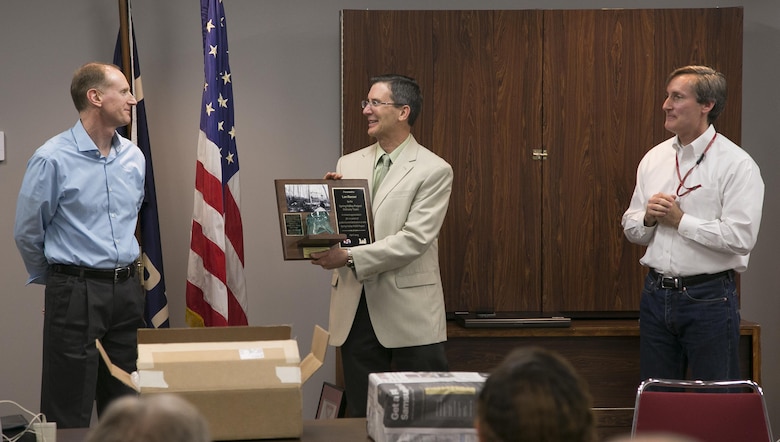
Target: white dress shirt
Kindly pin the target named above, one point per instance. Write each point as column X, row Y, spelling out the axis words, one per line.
column 720, row 221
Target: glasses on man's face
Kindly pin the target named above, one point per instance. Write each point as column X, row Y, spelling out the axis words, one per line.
column 377, row 103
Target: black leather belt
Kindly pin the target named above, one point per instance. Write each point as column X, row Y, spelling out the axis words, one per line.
column 678, row 282
column 118, row 274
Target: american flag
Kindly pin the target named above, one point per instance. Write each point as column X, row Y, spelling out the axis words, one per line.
column 216, row 291
column 156, row 311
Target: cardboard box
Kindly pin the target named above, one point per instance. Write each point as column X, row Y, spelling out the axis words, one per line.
column 245, row 380
column 423, row 406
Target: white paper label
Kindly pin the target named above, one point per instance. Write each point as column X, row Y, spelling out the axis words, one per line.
column 251, row 353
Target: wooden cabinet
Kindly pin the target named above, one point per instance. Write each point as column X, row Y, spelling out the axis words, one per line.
column 544, row 116
column 605, row 353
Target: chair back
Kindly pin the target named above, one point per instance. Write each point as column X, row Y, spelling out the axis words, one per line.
column 710, row 411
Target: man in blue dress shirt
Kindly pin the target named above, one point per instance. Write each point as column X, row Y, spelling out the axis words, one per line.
column 75, row 229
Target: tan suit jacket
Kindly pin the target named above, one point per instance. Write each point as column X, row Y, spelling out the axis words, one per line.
column 400, row 269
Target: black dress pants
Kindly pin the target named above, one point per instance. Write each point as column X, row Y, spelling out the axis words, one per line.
column 362, row 354
column 77, row 312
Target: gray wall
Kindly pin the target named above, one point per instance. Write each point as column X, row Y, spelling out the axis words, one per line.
column 285, row 62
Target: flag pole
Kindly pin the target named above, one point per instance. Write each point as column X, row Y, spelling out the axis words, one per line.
column 124, row 32
column 127, row 69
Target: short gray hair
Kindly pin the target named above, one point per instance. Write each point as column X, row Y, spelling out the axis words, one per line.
column 155, row 418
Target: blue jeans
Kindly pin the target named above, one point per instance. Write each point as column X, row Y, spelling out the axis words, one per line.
column 690, row 332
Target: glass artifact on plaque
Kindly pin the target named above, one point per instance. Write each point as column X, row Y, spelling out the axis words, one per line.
column 318, row 222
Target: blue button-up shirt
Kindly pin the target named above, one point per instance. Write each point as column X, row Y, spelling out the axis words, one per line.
column 78, row 207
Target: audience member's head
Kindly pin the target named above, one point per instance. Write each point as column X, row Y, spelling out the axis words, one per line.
column 154, row 418
column 535, row 395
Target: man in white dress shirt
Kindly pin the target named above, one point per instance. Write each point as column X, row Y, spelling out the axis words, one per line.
column 697, row 207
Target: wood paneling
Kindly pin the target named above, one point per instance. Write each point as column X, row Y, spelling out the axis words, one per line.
column 486, row 123
column 711, row 37
column 587, row 86
column 383, row 42
column 598, row 98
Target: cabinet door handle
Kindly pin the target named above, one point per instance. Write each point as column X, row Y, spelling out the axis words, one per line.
column 539, row 154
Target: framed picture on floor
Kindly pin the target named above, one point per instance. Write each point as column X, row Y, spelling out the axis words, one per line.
column 333, row 403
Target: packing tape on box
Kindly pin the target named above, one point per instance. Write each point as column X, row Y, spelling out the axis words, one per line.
column 150, row 379
column 151, row 354
column 289, row 375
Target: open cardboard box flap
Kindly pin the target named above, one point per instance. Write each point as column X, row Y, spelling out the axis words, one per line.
column 116, row 371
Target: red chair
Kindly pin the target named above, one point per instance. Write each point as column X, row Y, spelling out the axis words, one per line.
column 710, row 411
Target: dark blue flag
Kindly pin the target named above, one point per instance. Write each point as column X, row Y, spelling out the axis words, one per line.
column 156, row 311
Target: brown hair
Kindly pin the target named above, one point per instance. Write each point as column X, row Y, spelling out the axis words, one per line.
column 535, row 395
column 403, row 91
column 709, row 86
column 89, row 76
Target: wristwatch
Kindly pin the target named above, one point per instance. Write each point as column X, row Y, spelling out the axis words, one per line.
column 350, row 260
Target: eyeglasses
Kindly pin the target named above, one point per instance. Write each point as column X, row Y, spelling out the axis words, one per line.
column 377, row 103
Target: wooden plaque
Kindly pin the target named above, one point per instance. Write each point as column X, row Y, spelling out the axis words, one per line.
column 315, row 215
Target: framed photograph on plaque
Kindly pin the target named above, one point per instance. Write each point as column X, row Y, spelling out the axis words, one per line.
column 314, row 215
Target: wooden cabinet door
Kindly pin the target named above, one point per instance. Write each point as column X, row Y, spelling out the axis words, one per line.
column 711, row 37
column 382, row 42
column 487, row 121
column 600, row 100
column 605, row 77
column 480, row 75
column 584, row 86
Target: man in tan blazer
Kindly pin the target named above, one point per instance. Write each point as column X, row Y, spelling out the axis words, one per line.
column 387, row 304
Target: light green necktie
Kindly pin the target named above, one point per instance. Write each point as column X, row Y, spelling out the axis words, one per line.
column 380, row 172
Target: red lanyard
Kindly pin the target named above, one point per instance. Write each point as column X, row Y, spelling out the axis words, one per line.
column 683, row 178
